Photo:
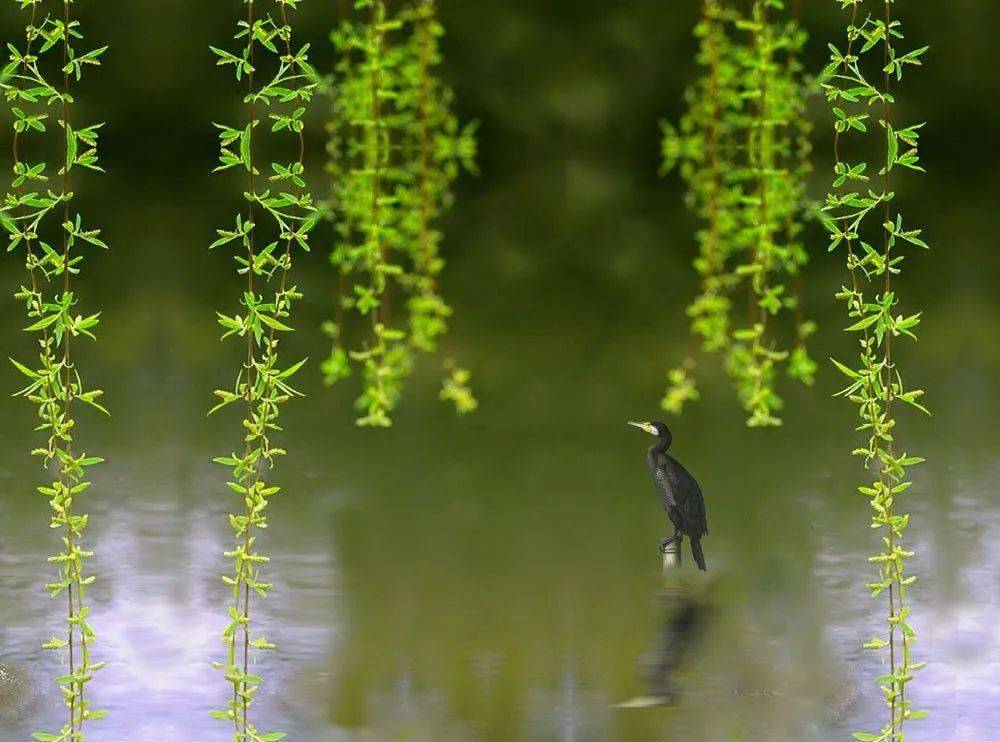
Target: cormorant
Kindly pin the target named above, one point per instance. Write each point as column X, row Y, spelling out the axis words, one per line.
column 680, row 494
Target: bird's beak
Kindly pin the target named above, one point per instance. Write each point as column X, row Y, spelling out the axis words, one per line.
column 644, row 426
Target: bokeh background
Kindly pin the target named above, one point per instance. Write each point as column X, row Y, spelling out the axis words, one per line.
column 496, row 577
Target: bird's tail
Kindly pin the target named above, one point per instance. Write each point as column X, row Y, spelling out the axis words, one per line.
column 696, row 552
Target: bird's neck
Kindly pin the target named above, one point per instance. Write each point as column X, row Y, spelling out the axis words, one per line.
column 660, row 446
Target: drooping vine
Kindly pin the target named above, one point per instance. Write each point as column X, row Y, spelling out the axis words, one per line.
column 38, row 218
column 801, row 365
column 704, row 149
column 742, row 150
column 863, row 222
column 752, row 358
column 437, row 151
column 275, row 222
column 395, row 148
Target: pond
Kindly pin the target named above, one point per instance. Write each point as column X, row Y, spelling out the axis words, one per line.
column 497, row 578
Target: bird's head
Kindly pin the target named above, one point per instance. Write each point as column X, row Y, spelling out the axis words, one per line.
column 660, row 430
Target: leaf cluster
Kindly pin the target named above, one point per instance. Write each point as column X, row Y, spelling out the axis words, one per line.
column 861, row 218
column 395, row 148
column 276, row 221
column 53, row 243
column 743, row 150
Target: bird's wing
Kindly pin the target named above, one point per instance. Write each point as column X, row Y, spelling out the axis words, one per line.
column 689, row 499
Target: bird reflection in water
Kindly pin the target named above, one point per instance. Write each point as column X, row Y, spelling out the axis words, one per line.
column 686, row 619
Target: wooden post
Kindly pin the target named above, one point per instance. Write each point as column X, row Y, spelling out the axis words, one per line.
column 672, row 555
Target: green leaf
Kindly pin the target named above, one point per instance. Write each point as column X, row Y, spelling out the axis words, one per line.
column 25, row 370
column 292, row 370
column 274, row 323
column 42, row 323
column 845, row 370
column 71, row 148
column 862, row 324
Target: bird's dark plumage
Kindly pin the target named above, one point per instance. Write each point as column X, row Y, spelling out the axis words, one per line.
column 679, row 492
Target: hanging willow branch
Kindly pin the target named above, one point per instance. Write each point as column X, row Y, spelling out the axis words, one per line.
column 704, row 149
column 742, row 150
column 801, row 365
column 437, row 151
column 753, row 358
column 280, row 81
column 395, row 148
column 37, row 218
column 859, row 213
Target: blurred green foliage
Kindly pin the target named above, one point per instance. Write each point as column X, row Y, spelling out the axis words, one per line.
column 568, row 232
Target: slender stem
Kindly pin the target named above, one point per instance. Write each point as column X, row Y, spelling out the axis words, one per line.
column 887, row 371
column 714, row 133
column 375, row 166
column 423, row 106
column 800, row 159
column 266, row 410
column 339, row 164
column 763, row 161
column 68, row 380
column 240, row 688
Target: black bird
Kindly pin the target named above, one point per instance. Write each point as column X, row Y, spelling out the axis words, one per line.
column 680, row 494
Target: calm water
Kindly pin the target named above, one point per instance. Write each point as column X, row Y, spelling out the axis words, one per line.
column 497, row 578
